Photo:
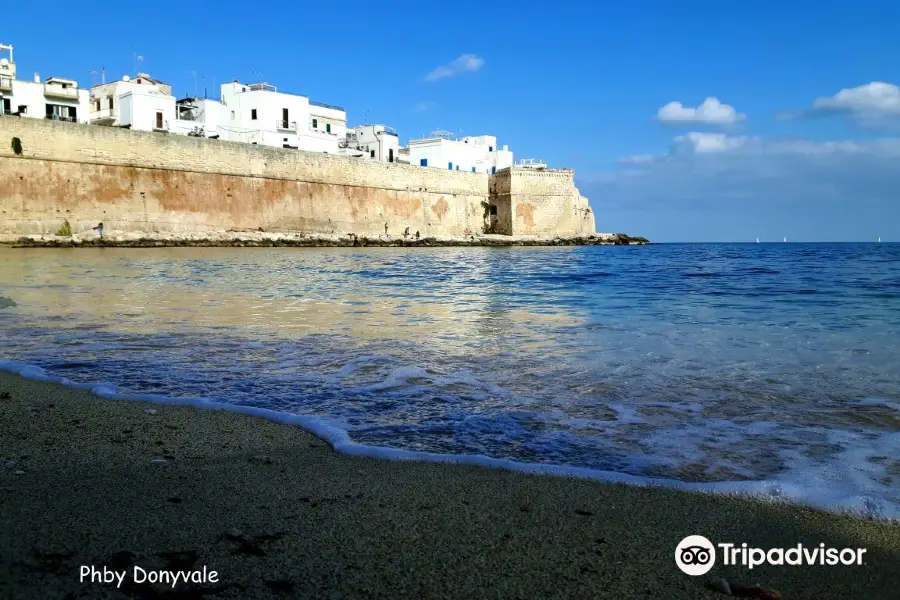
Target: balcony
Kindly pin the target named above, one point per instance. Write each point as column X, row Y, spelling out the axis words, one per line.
column 286, row 125
column 104, row 116
column 6, row 84
column 58, row 91
column 61, row 118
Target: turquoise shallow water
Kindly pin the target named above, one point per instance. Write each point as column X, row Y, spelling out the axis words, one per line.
column 764, row 368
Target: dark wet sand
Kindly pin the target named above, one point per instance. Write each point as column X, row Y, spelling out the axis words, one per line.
column 310, row 523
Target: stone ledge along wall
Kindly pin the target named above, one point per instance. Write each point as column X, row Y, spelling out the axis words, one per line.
column 540, row 202
column 165, row 183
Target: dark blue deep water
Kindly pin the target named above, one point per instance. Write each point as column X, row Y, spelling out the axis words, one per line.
column 771, row 369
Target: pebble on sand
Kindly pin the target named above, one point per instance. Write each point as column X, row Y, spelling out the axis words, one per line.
column 150, row 411
column 10, row 464
column 159, row 461
column 20, row 472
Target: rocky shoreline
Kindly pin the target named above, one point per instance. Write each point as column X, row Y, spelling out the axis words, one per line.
column 284, row 239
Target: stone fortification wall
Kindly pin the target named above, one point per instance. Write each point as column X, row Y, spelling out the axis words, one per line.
column 149, row 182
column 141, row 182
column 540, row 202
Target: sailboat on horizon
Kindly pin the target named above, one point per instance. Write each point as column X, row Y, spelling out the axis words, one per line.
column 757, row 239
column 785, row 240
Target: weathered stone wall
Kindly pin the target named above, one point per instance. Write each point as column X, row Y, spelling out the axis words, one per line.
column 149, row 182
column 156, row 183
column 500, row 197
column 545, row 202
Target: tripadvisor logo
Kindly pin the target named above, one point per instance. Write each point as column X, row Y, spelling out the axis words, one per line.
column 696, row 555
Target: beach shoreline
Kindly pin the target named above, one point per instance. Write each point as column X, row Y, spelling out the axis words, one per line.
column 311, row 240
column 277, row 513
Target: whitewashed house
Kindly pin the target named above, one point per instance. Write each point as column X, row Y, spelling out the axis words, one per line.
column 55, row 98
column 259, row 114
column 327, row 118
column 478, row 154
column 199, row 117
column 141, row 103
column 374, row 142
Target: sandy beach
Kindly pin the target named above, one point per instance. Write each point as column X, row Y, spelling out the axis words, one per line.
column 278, row 514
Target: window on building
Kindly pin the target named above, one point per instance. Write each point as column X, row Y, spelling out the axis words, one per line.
column 315, row 123
column 457, row 167
column 97, row 106
column 473, row 169
column 7, row 106
column 450, row 165
column 252, row 114
column 159, row 120
column 493, row 170
column 490, row 148
column 371, row 154
column 390, row 155
column 110, row 103
column 423, row 162
column 493, row 209
column 328, row 127
column 22, row 109
column 285, row 139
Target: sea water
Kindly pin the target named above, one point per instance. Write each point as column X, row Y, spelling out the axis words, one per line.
column 764, row 369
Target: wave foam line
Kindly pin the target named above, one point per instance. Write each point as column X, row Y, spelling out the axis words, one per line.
column 340, row 441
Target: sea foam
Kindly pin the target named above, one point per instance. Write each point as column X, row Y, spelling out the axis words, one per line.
column 795, row 488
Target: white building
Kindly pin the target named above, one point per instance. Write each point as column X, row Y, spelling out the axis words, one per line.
column 141, row 103
column 199, row 117
column 479, row 154
column 374, row 142
column 56, row 98
column 260, row 114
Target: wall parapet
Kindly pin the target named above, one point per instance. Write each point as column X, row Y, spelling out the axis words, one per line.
column 93, row 144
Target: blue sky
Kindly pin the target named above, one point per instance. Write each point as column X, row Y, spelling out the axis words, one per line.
column 577, row 84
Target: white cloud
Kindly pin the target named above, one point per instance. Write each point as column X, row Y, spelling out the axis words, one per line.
column 638, row 159
column 466, row 63
column 711, row 112
column 698, row 142
column 873, row 100
column 423, row 106
column 695, row 142
column 716, row 187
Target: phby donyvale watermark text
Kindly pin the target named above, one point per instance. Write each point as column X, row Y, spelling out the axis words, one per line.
column 116, row 577
column 696, row 555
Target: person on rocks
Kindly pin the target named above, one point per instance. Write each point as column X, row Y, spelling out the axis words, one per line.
column 99, row 229
column 406, row 233
column 417, row 235
column 385, row 229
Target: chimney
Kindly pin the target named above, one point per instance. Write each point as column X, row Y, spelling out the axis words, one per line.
column 37, row 77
